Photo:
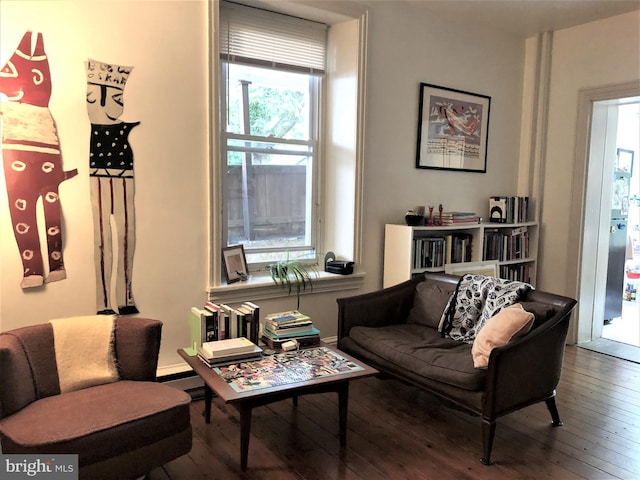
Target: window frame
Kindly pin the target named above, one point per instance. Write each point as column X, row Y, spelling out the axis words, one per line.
column 313, row 231
column 260, row 286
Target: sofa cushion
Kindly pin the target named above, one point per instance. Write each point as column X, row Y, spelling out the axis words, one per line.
column 98, row 422
column 429, row 301
column 423, row 351
column 498, row 331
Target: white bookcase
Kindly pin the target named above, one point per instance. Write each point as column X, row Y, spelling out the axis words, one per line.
column 401, row 244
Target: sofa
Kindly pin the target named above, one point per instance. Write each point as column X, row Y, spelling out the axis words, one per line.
column 396, row 331
column 119, row 429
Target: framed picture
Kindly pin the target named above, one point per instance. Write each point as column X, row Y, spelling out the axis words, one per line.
column 234, row 263
column 453, row 128
column 624, row 160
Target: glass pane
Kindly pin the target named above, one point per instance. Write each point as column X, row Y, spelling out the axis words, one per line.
column 279, row 102
column 267, row 202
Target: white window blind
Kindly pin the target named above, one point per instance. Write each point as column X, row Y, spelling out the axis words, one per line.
column 263, row 38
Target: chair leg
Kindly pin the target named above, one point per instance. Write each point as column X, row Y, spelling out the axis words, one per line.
column 488, row 433
column 553, row 410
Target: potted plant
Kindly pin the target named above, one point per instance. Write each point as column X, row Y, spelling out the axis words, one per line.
column 293, row 274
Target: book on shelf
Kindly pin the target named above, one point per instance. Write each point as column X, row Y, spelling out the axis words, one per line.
column 506, row 244
column 228, row 346
column 508, row 209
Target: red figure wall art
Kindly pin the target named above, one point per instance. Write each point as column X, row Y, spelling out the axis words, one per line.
column 112, row 186
column 32, row 160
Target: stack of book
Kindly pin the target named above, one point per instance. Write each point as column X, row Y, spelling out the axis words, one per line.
column 280, row 327
column 456, row 218
column 230, row 350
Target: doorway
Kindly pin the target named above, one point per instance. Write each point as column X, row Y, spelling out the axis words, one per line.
column 611, row 211
column 622, row 312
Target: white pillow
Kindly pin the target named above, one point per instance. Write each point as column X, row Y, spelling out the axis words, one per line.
column 498, row 330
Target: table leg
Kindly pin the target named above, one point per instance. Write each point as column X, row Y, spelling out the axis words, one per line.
column 343, row 408
column 208, row 396
column 245, row 432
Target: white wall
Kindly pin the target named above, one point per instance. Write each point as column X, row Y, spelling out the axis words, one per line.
column 407, row 47
column 592, row 55
column 167, row 93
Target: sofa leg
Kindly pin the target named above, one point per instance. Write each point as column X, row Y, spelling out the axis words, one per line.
column 553, row 410
column 488, row 433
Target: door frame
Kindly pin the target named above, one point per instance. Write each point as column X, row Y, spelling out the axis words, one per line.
column 583, row 329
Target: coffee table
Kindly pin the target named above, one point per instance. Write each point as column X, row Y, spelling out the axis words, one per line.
column 330, row 370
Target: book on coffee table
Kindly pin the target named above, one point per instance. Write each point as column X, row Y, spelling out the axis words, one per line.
column 229, row 346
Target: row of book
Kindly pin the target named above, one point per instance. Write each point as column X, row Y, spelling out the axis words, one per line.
column 506, row 244
column 281, row 327
column 220, row 321
column 520, row 272
column 503, row 209
column 433, row 252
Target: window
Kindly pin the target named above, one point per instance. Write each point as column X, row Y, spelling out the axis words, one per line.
column 271, row 82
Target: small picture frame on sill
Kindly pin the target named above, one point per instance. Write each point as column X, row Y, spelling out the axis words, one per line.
column 234, row 263
column 453, row 127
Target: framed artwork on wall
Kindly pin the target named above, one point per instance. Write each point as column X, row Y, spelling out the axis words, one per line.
column 624, row 160
column 234, row 263
column 453, row 129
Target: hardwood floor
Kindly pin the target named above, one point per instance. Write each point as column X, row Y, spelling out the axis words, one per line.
column 395, row 431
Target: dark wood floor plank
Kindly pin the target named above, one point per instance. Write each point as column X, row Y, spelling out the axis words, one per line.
column 396, row 431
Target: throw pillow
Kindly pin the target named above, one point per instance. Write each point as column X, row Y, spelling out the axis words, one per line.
column 510, row 322
column 429, row 301
column 476, row 300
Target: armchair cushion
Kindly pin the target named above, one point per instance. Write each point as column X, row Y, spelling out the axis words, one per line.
column 101, row 422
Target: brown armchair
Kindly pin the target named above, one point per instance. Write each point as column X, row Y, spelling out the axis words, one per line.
column 119, row 430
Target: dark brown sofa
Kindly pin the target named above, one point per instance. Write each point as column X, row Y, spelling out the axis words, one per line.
column 119, row 430
column 381, row 329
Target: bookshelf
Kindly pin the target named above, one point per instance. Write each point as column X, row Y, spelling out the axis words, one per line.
column 409, row 251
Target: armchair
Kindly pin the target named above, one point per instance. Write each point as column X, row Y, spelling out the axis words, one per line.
column 120, row 430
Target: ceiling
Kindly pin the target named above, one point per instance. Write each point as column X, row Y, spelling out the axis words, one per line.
column 524, row 18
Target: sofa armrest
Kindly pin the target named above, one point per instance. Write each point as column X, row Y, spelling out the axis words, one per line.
column 137, row 347
column 376, row 309
column 528, row 369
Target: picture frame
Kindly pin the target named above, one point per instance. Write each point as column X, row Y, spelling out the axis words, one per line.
column 624, row 160
column 234, row 263
column 453, row 129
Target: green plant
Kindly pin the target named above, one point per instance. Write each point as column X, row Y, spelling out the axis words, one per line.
column 293, row 274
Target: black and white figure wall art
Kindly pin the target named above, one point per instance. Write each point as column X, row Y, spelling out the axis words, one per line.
column 32, row 160
column 112, row 187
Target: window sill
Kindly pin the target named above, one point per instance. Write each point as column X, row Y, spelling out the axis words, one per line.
column 261, row 287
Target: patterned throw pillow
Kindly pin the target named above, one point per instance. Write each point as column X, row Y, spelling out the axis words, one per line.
column 476, row 300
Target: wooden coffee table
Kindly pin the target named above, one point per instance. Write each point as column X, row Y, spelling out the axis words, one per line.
column 269, row 391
